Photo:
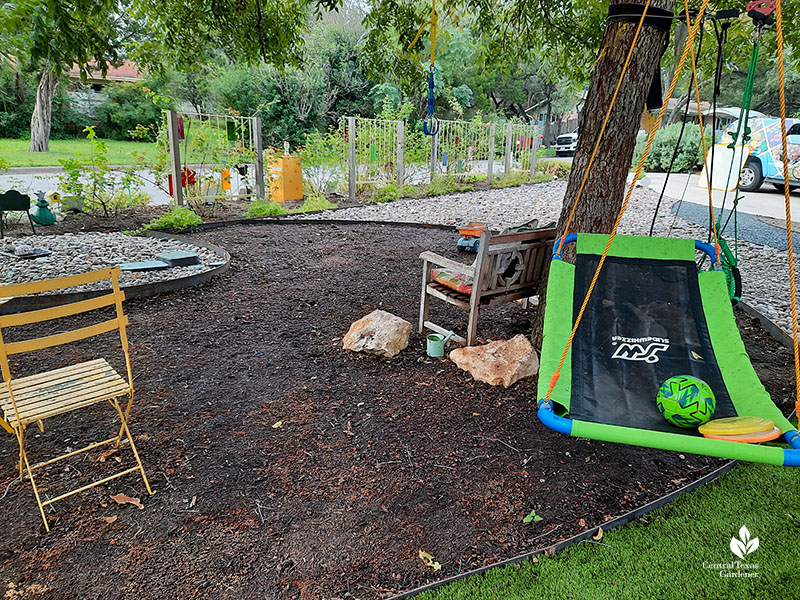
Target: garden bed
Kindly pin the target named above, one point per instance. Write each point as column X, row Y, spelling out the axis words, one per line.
column 289, row 468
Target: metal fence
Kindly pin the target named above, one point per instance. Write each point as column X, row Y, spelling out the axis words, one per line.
column 383, row 151
column 214, row 157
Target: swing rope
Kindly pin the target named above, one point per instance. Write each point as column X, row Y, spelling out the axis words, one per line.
column 787, row 202
column 689, row 44
column 430, row 124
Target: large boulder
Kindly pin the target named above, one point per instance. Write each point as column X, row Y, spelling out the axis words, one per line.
column 498, row 363
column 379, row 333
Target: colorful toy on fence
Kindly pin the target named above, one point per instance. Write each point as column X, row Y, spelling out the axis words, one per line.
column 430, row 125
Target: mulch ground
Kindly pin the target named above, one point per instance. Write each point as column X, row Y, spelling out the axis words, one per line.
column 286, row 467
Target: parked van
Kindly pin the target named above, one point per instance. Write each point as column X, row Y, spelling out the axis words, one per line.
column 766, row 153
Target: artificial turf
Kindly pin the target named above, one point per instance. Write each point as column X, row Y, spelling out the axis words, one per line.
column 663, row 554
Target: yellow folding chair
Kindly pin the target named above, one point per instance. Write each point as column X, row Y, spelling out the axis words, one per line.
column 32, row 399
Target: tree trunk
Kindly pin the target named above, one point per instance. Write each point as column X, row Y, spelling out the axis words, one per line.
column 605, row 186
column 548, row 134
column 43, row 111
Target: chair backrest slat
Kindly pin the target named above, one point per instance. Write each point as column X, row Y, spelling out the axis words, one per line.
column 57, row 312
column 532, row 248
column 66, row 337
column 48, row 285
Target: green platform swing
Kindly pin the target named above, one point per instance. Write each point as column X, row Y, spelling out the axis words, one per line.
column 634, row 311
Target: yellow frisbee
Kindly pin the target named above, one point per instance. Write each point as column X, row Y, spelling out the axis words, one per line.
column 750, row 438
column 736, row 426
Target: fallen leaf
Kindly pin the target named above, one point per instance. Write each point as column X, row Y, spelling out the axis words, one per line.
column 429, row 562
column 105, row 455
column 277, row 425
column 599, row 535
column 123, row 499
column 349, row 429
column 582, row 522
column 192, row 503
column 109, row 519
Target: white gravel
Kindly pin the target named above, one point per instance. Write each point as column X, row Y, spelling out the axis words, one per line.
column 79, row 253
column 764, row 268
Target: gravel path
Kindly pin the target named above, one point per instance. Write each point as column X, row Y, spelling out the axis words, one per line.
column 78, row 253
column 762, row 255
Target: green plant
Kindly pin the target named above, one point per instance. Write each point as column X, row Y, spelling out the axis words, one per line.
column 178, row 219
column 690, row 151
column 388, row 193
column 262, row 208
column 556, row 168
column 532, row 517
column 512, row 179
column 313, row 203
column 89, row 184
column 446, row 184
column 412, row 191
column 323, row 157
column 474, row 178
column 131, row 107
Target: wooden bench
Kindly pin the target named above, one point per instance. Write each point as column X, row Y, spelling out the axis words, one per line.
column 508, row 267
column 13, row 200
column 32, row 399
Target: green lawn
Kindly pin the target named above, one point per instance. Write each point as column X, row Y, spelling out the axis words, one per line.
column 119, row 153
column 662, row 555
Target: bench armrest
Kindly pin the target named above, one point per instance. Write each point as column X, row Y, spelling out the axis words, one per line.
column 441, row 261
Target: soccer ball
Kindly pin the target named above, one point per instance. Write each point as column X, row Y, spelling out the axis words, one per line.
column 686, row 401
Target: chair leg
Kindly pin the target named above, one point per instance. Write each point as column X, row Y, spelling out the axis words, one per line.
column 24, row 460
column 33, row 229
column 423, row 303
column 472, row 326
column 133, row 446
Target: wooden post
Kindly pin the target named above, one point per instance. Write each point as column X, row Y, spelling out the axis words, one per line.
column 401, row 132
column 434, row 151
column 509, row 140
column 175, row 156
column 534, row 151
column 258, row 147
column 351, row 158
column 490, row 164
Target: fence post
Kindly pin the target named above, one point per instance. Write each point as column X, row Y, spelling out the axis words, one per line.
column 434, row 151
column 509, row 139
column 401, row 133
column 175, row 156
column 490, row 164
column 534, row 151
column 258, row 146
column 351, row 158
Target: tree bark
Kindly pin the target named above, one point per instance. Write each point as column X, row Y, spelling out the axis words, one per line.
column 41, row 118
column 605, row 186
column 548, row 134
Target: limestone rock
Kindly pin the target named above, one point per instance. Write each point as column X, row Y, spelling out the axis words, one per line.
column 380, row 333
column 498, row 363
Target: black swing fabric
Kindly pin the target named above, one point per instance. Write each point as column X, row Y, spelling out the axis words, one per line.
column 644, row 323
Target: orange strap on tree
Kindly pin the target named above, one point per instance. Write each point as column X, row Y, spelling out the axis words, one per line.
column 787, row 202
column 650, row 137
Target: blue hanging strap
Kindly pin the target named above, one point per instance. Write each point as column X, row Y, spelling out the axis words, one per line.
column 431, row 124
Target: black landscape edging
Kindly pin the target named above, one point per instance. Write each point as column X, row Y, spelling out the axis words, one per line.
column 22, row 303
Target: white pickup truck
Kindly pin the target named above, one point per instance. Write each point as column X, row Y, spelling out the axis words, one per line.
column 566, row 143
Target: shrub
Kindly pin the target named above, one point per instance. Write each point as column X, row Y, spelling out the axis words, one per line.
column 178, row 219
column 262, row 208
column 512, row 179
column 690, row 152
column 129, row 105
column 555, row 168
column 411, row 191
column 314, row 202
column 446, row 184
column 388, row 193
column 323, row 158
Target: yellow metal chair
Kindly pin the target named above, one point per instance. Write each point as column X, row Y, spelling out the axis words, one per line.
column 32, row 399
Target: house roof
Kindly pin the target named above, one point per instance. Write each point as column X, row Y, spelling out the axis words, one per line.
column 127, row 71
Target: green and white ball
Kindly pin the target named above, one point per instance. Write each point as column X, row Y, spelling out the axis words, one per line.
column 686, row 401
